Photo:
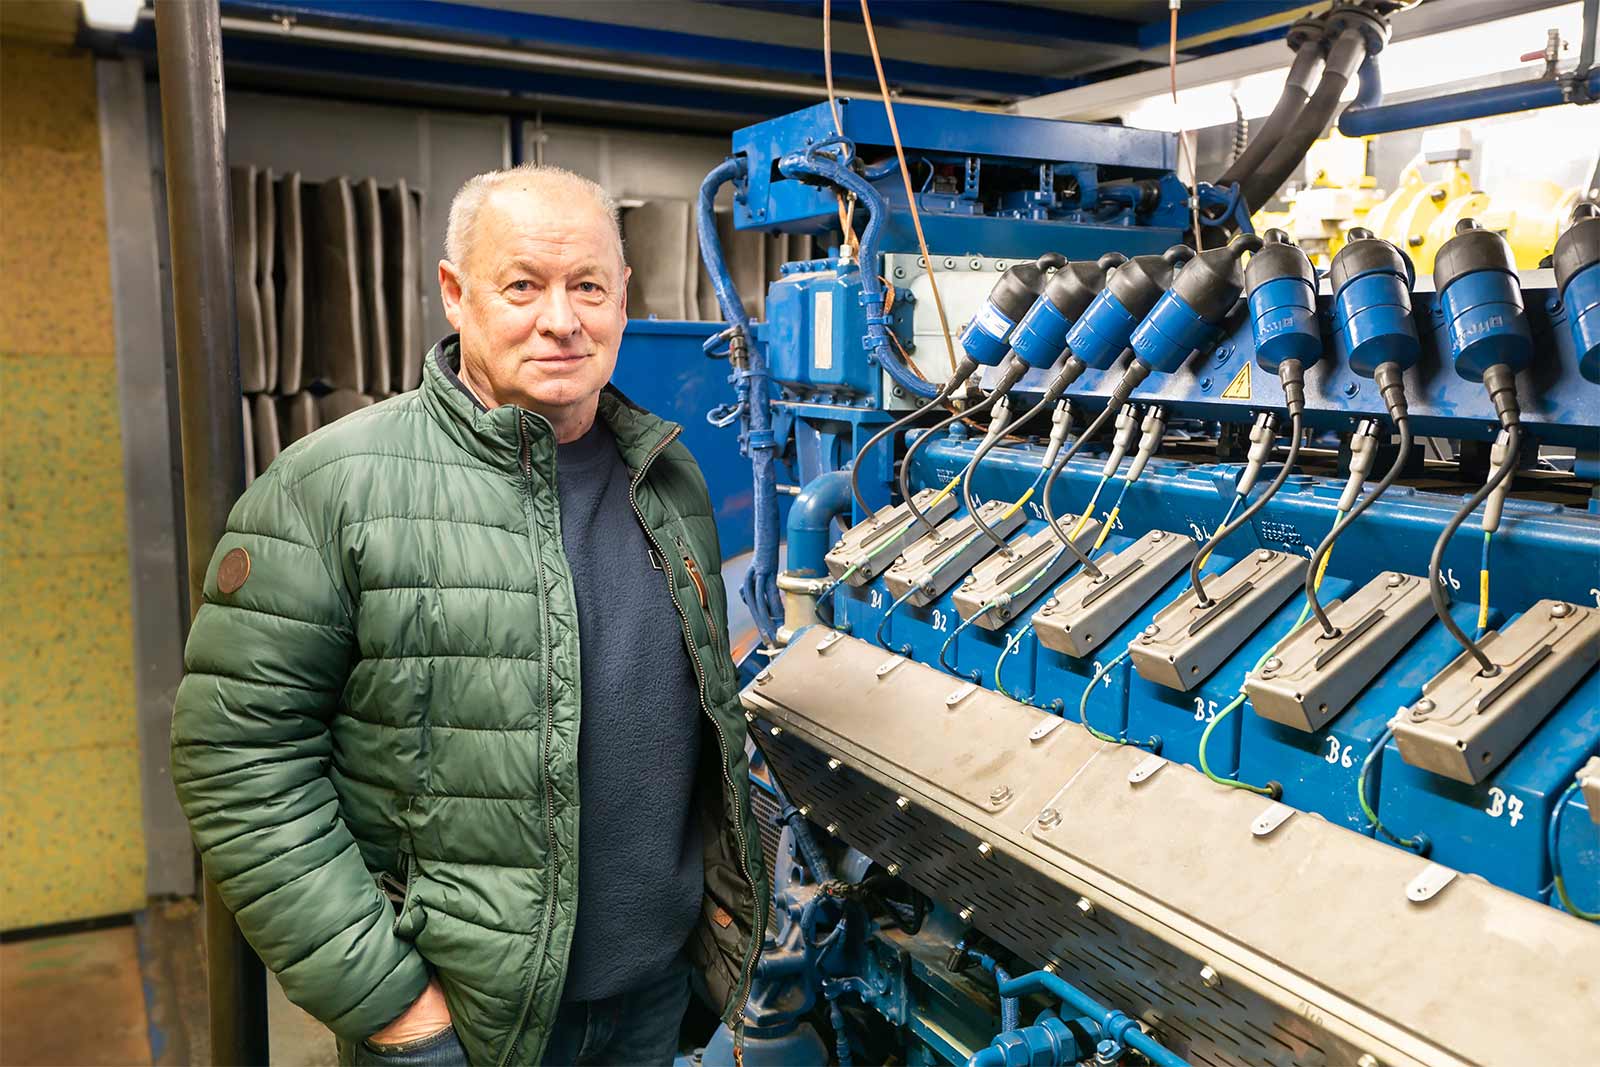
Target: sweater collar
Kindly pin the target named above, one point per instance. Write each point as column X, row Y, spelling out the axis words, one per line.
column 491, row 435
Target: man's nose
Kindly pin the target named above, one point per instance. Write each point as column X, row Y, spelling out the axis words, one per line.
column 556, row 315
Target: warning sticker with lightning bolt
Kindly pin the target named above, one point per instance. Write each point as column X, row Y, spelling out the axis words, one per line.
column 1239, row 388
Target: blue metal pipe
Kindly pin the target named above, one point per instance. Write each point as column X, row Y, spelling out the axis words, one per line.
column 811, row 516
column 1113, row 1024
column 818, row 166
column 753, row 389
column 1461, row 107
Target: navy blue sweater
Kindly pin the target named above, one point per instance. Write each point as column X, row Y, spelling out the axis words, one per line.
column 640, row 872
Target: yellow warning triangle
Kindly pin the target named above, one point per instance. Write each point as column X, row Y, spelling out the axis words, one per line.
column 1239, row 388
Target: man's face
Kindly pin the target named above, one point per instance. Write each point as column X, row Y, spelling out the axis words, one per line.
column 540, row 303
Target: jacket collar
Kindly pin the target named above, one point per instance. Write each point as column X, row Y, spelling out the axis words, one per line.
column 492, row 435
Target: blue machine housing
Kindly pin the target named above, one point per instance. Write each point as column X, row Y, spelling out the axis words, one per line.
column 1372, row 322
column 1495, row 829
column 995, row 185
column 1283, row 323
column 1170, row 334
column 1582, row 300
column 1102, row 334
column 1010, row 188
column 1559, row 406
column 1483, row 320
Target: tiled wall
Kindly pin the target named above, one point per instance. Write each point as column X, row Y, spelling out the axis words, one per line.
column 71, row 843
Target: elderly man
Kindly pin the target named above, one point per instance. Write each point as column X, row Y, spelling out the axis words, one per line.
column 438, row 631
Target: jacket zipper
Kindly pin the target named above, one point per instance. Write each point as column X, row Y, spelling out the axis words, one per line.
column 756, row 933
column 549, row 730
column 699, row 587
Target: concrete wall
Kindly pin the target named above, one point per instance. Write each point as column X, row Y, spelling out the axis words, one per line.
column 71, row 843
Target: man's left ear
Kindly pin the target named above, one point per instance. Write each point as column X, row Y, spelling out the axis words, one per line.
column 627, row 272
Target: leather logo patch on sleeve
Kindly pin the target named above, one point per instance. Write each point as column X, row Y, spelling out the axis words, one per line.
column 722, row 918
column 233, row 570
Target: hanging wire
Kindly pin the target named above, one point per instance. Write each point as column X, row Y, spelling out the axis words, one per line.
column 1552, row 840
column 905, row 176
column 1418, row 844
column 1153, row 744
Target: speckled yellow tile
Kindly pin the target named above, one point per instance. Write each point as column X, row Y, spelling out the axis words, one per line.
column 53, row 249
column 61, row 485
column 66, row 653
column 70, row 840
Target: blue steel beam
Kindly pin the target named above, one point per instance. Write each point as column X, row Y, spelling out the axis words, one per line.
column 1227, row 19
column 992, row 21
column 464, row 22
column 301, row 57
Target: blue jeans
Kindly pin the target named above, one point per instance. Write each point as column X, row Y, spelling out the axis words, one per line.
column 634, row 1029
column 438, row 1050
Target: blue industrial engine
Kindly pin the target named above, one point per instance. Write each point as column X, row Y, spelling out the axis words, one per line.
column 1181, row 695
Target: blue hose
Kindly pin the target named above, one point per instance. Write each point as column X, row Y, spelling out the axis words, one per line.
column 811, row 516
column 1114, row 1025
column 810, row 164
column 753, row 389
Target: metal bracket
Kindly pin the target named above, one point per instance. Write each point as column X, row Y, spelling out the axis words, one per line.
column 1312, row 677
column 1008, row 582
column 829, row 641
column 1427, row 885
column 870, row 546
column 1467, row 723
column 1187, row 640
column 1045, row 727
column 890, row 664
column 1271, row 819
column 934, row 562
column 1146, row 769
column 1086, row 610
column 959, row 694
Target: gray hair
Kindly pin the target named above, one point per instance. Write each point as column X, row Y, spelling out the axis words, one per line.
column 547, row 180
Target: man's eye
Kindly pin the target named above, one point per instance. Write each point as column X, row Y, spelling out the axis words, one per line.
column 521, row 285
column 589, row 287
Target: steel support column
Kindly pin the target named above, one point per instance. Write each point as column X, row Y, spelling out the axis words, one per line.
column 189, row 53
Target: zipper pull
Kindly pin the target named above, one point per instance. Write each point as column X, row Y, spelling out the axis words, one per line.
column 696, row 577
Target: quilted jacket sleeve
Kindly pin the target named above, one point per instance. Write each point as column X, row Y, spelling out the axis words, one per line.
column 266, row 664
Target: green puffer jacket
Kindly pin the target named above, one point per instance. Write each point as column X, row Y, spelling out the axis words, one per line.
column 376, row 741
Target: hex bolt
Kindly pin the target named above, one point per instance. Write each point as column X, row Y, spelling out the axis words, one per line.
column 1560, row 610
column 1272, row 664
column 985, row 850
column 1157, row 536
column 893, row 869
column 1394, row 579
column 832, row 828
column 1085, row 908
column 902, row 803
column 805, row 810
column 965, row 915
column 1424, row 706
column 776, row 730
column 1152, row 630
column 1049, row 817
column 1052, row 602
column 764, row 676
column 1264, row 556
column 1210, row 977
column 1368, row 1060
column 1000, row 794
column 833, row 765
column 1050, row 968
column 969, row 579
